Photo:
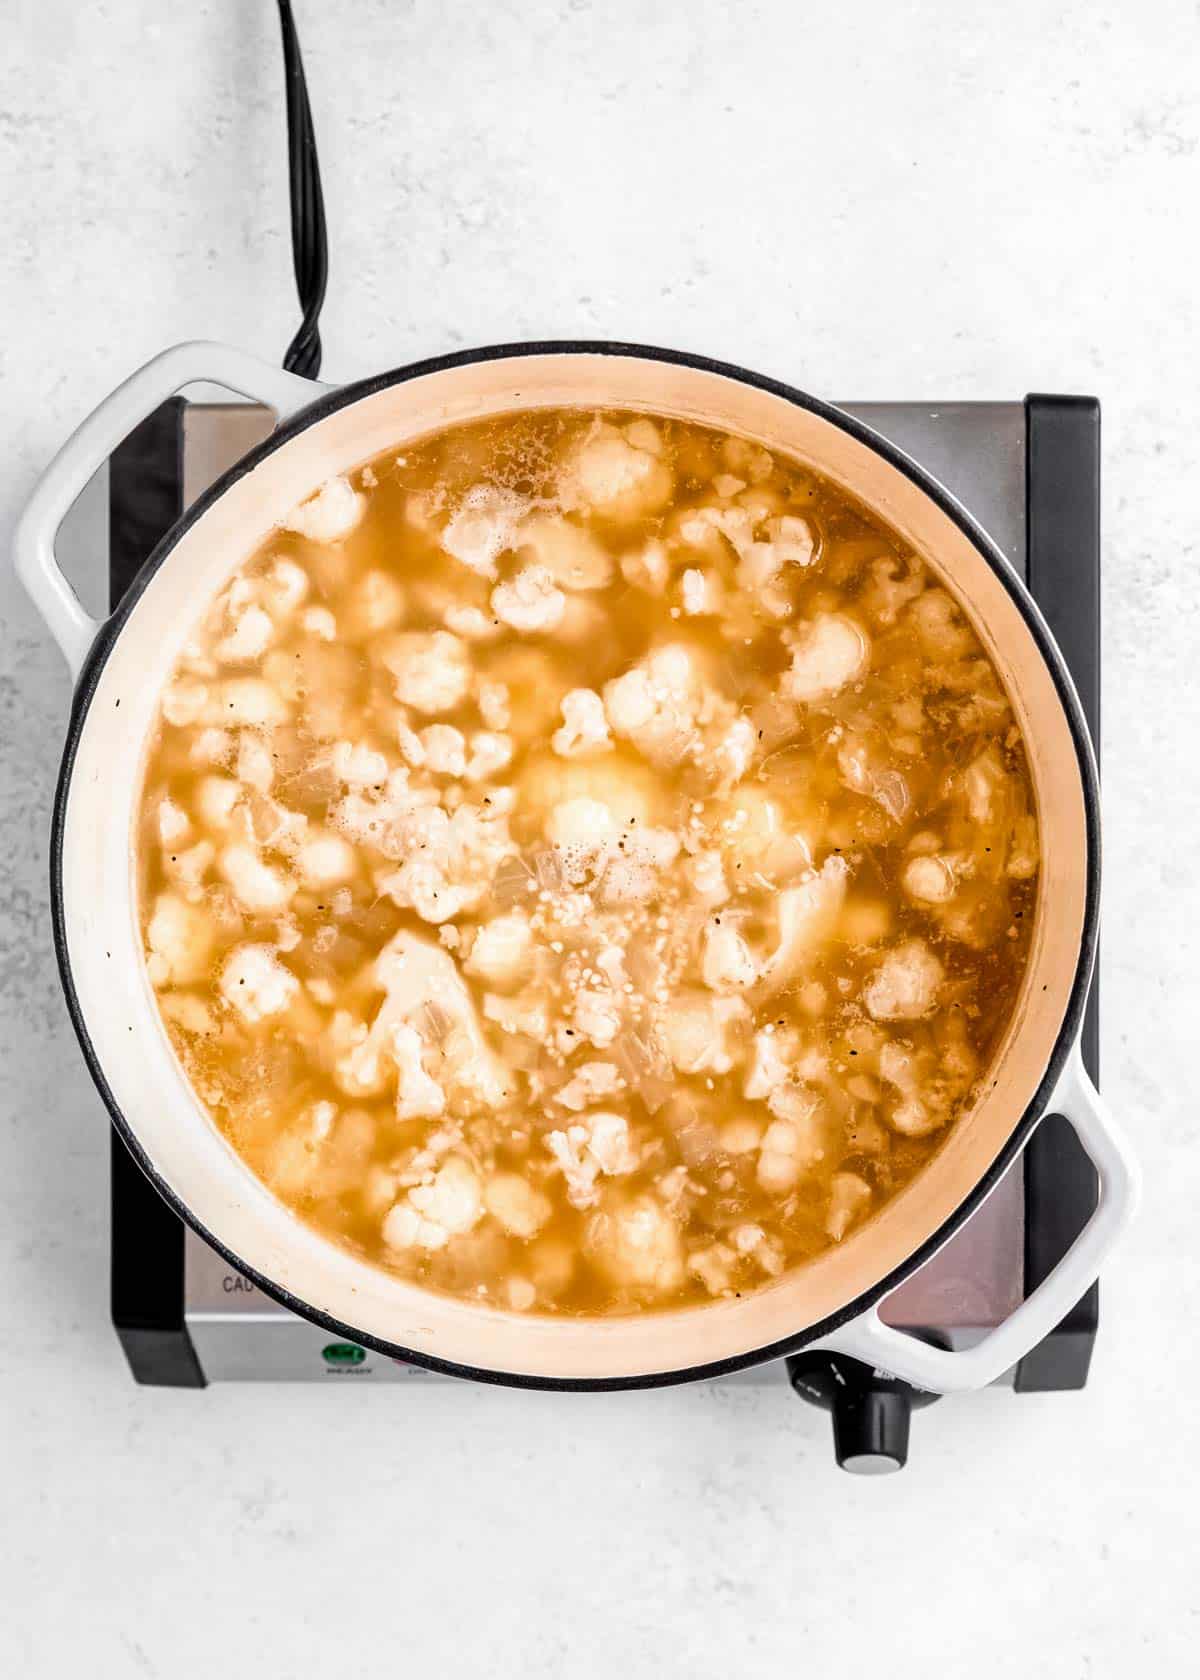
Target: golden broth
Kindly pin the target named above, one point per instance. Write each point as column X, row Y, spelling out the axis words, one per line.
column 587, row 862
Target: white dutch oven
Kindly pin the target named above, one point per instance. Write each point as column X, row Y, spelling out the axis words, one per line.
column 122, row 665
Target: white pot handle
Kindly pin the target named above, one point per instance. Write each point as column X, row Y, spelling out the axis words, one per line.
column 945, row 1372
column 37, row 530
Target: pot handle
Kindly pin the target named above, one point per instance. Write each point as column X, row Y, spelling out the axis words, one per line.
column 37, row 530
column 943, row 1371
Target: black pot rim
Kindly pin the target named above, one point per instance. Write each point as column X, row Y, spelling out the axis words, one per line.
column 343, row 396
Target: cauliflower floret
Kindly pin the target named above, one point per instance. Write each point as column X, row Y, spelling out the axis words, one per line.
column 393, row 820
column 941, row 626
column 418, row 1096
column 578, row 1169
column 594, row 1144
column 751, row 1239
column 741, row 1135
column 358, row 766
column 584, row 726
column 255, row 766
column 610, row 475
column 705, row 876
column 217, row 797
column 430, row 669
column 905, row 984
column 414, row 972
column 701, row 593
column 790, row 543
column 471, row 622
column 376, row 604
column 696, row 1031
column 422, row 507
column 525, row 1014
column 734, row 751
column 483, row 527
column 489, row 754
column 807, row 915
column 320, row 623
column 449, row 862
column 357, row 1051
column 580, row 822
column 501, row 950
column 634, row 864
column 423, row 886
column 984, row 782
column 255, row 983
column 929, row 879
column 521, row 1293
column 189, row 1013
column 180, row 939
column 917, row 1113
column 727, row 964
column 184, row 703
column 433, row 1213
column 709, row 529
column 259, row 889
column 518, row 1206
column 714, row 1267
column 827, row 653
column 788, row 1147
column 326, row 860
column 284, row 587
column 532, row 602
column 445, row 749
column 769, row 1064
column 849, row 1199
column 581, row 831
column 187, row 869
column 251, row 702
column 250, row 635
column 330, row 515
column 655, row 703
column 1025, row 853
column 608, row 1142
column 648, row 567
column 592, row 1080
column 573, row 557
column 493, row 701
column 211, row 746
column 409, row 742
column 174, row 824
column 793, row 539
column 596, row 1015
column 639, row 1245
column 628, row 789
column 891, row 588
column 630, row 701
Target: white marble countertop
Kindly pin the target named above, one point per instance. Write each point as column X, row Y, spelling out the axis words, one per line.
column 870, row 200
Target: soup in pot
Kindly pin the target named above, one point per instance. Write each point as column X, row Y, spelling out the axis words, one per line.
column 587, row 862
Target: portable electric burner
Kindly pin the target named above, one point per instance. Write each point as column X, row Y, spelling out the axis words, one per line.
column 1029, row 473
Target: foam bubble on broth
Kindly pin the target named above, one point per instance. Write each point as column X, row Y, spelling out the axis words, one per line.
column 587, row 863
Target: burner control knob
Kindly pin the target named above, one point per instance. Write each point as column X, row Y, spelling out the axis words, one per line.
column 871, row 1410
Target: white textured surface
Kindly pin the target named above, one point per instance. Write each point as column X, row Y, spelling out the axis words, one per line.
column 920, row 199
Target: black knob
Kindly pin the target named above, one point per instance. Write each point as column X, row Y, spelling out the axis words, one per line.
column 871, row 1411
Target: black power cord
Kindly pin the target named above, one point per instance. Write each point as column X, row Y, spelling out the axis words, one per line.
column 310, row 250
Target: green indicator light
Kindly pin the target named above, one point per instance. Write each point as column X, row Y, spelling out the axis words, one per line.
column 343, row 1353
